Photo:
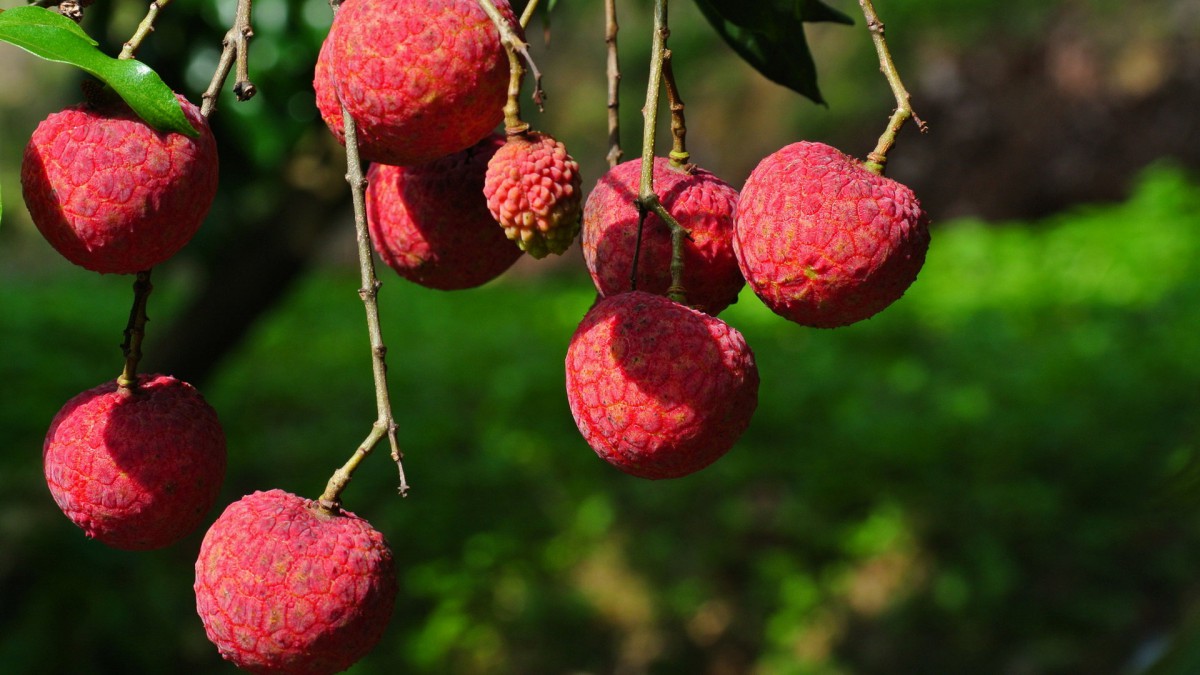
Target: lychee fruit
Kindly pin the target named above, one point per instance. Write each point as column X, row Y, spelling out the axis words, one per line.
column 823, row 241
column 657, row 389
column 702, row 204
column 285, row 587
column 136, row 468
column 113, row 195
column 533, row 190
column 422, row 78
column 431, row 223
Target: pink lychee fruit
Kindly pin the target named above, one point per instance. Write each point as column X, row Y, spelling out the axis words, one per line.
column 702, row 204
column 823, row 241
column 431, row 223
column 285, row 587
column 113, row 195
column 533, row 190
column 136, row 468
column 422, row 78
column 657, row 389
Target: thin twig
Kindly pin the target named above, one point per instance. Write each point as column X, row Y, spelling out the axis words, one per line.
column 613, row 72
column 144, row 28
column 234, row 48
column 385, row 424
column 513, row 124
column 877, row 159
column 647, row 200
column 679, row 154
column 135, row 331
column 513, row 43
column 527, row 15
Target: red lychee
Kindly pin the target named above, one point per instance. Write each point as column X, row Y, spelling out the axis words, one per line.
column 284, row 587
column 823, row 241
column 136, row 468
column 422, row 78
column 657, row 389
column 113, row 195
column 704, row 206
column 431, row 222
column 533, row 190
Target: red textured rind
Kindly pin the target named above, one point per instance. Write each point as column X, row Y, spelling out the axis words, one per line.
column 431, row 222
column 704, row 206
column 824, row 242
column 533, row 190
column 282, row 588
column 657, row 389
column 113, row 195
column 422, row 78
column 136, row 471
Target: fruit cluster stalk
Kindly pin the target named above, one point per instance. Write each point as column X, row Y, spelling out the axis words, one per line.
column 877, row 160
column 679, row 154
column 144, row 28
column 135, row 331
column 385, row 424
column 235, row 49
column 516, row 47
column 647, row 200
column 613, row 73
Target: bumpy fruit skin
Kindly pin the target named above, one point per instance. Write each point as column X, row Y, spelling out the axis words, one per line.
column 284, row 588
column 704, row 206
column 533, row 190
column 136, row 470
column 824, row 242
column 422, row 78
column 431, row 222
column 113, row 195
column 657, row 389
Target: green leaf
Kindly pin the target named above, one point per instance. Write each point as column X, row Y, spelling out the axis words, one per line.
column 769, row 35
column 814, row 11
column 54, row 37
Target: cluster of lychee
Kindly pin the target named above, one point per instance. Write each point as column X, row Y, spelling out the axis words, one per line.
column 283, row 584
column 136, row 465
column 658, row 388
column 450, row 203
column 662, row 390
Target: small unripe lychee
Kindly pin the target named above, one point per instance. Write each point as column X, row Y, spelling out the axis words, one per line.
column 657, row 389
column 113, row 195
column 702, row 204
column 422, row 78
column 136, row 468
column 431, row 223
column 533, row 190
column 823, row 241
column 285, row 587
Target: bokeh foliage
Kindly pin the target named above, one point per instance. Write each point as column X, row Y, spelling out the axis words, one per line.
column 998, row 474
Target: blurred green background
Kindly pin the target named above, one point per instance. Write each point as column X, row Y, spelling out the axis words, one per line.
column 999, row 474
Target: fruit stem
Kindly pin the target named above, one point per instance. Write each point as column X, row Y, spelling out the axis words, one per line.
column 527, row 15
column 515, row 46
column 647, row 200
column 135, row 332
column 613, row 71
column 679, row 154
column 385, row 424
column 144, row 28
column 235, row 48
column 877, row 160
column 513, row 124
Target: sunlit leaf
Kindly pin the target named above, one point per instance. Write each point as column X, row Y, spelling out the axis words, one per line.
column 54, row 37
